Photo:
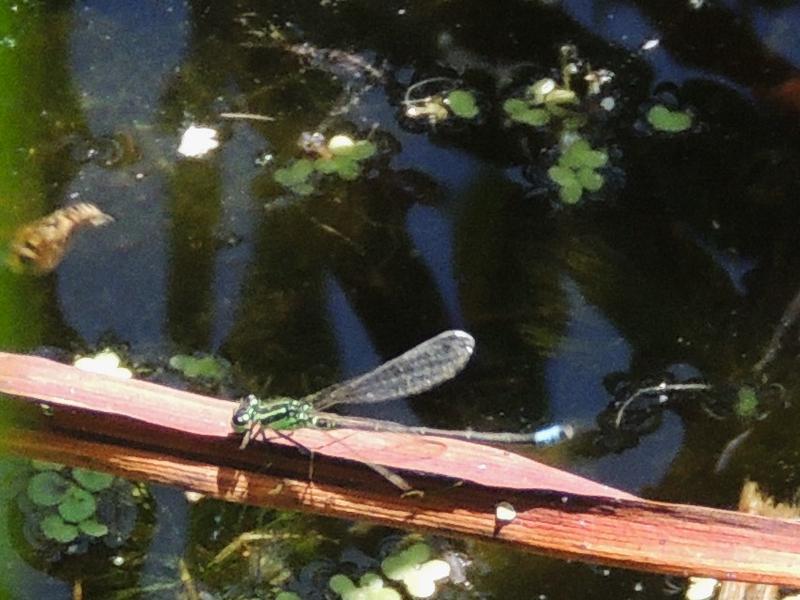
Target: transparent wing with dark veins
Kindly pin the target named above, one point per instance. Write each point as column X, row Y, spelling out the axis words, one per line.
column 423, row 367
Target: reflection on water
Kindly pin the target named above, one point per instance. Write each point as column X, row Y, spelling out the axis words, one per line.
column 686, row 256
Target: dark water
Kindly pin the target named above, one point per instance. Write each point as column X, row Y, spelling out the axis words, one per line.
column 677, row 270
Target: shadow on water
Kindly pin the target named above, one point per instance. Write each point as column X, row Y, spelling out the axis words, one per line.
column 677, row 270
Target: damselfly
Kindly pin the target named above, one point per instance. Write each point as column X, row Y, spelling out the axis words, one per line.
column 423, row 367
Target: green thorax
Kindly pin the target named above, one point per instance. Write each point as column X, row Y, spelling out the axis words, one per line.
column 283, row 413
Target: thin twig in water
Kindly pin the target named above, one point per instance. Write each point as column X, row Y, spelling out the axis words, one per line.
column 245, row 116
column 408, row 101
column 787, row 320
column 339, row 234
column 188, row 582
column 251, row 537
column 662, row 388
column 731, row 447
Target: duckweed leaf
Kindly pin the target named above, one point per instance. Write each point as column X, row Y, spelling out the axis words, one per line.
column 93, row 528
column 562, row 175
column 671, row 121
column 42, row 465
column 92, row 480
column 295, row 176
column 206, row 367
column 421, row 583
column 54, row 528
column 341, row 584
column 77, row 506
column 580, row 154
column 287, row 596
column 519, row 111
column 363, row 149
column 746, row 402
column 590, row 179
column 462, row 103
column 571, row 192
column 48, row 488
column 396, row 566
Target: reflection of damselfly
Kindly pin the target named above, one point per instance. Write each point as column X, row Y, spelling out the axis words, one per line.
column 418, row 370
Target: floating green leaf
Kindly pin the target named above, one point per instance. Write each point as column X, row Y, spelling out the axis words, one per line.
column 746, row 402
column 363, row 149
column 397, row 565
column 462, row 103
column 590, row 179
column 206, row 367
column 671, row 121
column 41, row 465
column 519, row 111
column 345, row 167
column 287, row 596
column 571, row 193
column 54, row 528
column 295, row 176
column 371, row 587
column 562, row 175
column 580, row 154
column 77, row 505
column 93, row 481
column 48, row 488
column 413, row 567
column 93, row 528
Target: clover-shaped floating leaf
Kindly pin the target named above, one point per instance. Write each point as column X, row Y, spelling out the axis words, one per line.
column 519, row 111
column 77, row 505
column 48, row 488
column 93, row 481
column 462, row 103
column 590, row 179
column 93, row 528
column 580, row 154
column 570, row 189
column 746, row 402
column 412, row 567
column 54, row 528
column 345, row 167
column 370, row 587
column 671, row 121
column 295, row 176
column 206, row 367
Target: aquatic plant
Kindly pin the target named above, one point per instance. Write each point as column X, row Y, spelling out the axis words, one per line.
column 207, row 367
column 340, row 156
column 661, row 118
column 543, row 102
column 414, row 567
column 746, row 405
column 370, row 587
column 577, row 170
column 67, row 509
column 443, row 100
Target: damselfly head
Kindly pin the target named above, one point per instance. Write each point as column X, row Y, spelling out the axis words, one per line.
column 244, row 416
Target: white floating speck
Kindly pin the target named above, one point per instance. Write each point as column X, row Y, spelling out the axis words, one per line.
column 198, row 141
column 700, row 588
column 103, row 363
column 608, row 103
column 651, row 44
column 505, row 512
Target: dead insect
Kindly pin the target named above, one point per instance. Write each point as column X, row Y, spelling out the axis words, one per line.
column 39, row 246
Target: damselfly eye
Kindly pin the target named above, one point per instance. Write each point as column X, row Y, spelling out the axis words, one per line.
column 241, row 418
